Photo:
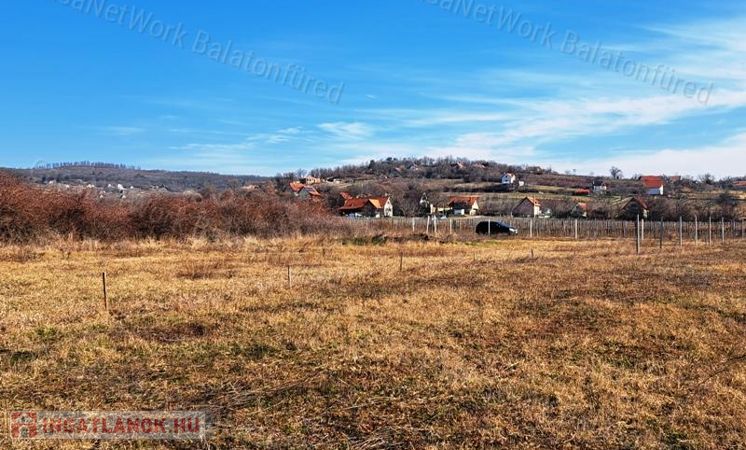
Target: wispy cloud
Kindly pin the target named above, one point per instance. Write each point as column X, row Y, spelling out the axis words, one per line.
column 725, row 158
column 347, row 130
column 122, row 131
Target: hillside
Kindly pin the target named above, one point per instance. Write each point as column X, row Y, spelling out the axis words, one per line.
column 102, row 175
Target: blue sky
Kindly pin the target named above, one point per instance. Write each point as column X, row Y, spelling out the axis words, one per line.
column 82, row 81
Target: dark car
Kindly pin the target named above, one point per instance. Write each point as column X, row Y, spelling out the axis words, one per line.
column 493, row 227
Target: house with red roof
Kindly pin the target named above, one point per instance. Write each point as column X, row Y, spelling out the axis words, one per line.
column 653, row 185
column 464, row 205
column 304, row 192
column 368, row 207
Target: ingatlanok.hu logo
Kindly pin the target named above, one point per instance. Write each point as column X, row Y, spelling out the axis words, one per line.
column 130, row 425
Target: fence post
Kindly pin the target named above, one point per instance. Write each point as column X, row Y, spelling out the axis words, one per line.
column 489, row 228
column 696, row 229
column 531, row 228
column 106, row 295
column 637, row 233
column 681, row 231
column 450, row 225
column 663, row 229
column 722, row 229
column 413, row 224
column 576, row 229
column 709, row 235
column 642, row 229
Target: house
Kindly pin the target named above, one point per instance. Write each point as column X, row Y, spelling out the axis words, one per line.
column 509, row 179
column 464, row 205
column 653, row 185
column 740, row 185
column 345, row 196
column 368, row 207
column 296, row 187
column 600, row 187
column 528, row 207
column 582, row 192
column 580, row 210
column 311, row 180
column 634, row 207
column 309, row 193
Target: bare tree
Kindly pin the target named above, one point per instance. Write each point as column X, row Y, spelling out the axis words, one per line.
column 616, row 173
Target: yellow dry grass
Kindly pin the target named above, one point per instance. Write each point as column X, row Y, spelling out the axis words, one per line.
column 472, row 345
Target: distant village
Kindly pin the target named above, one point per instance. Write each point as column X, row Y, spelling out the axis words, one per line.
column 428, row 188
column 382, row 206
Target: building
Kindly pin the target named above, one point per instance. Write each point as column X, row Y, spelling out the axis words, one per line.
column 509, row 179
column 600, row 187
column 653, row 185
column 309, row 193
column 296, row 187
column 580, row 210
column 528, row 207
column 634, row 207
column 311, row 180
column 368, row 207
column 464, row 205
column 304, row 192
column 740, row 185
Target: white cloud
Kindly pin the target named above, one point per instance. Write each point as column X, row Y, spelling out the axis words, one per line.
column 727, row 158
column 347, row 130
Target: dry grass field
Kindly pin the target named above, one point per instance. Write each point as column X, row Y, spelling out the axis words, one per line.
column 472, row 345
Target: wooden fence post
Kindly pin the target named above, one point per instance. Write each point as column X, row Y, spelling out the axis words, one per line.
column 663, row 229
column 106, row 294
column 709, row 235
column 642, row 229
column 696, row 229
column 576, row 229
column 401, row 262
column 638, row 233
column 681, row 231
column 722, row 229
column 531, row 228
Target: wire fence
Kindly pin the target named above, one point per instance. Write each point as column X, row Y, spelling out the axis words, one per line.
column 707, row 230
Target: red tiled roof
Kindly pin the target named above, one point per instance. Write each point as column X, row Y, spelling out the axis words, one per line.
column 312, row 191
column 354, row 204
column 740, row 184
column 378, row 202
column 345, row 195
column 469, row 200
column 652, row 182
column 296, row 187
column 532, row 200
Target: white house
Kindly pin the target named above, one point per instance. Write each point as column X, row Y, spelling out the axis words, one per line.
column 509, row 178
column 653, row 185
column 600, row 187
